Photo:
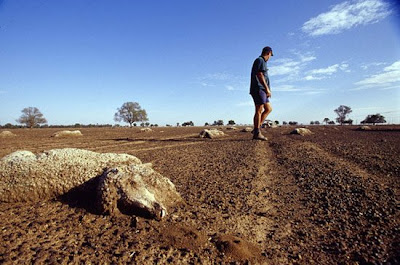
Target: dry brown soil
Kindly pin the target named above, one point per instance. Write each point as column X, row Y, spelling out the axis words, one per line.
column 328, row 198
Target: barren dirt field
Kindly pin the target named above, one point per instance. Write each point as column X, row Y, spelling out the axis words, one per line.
column 327, row 198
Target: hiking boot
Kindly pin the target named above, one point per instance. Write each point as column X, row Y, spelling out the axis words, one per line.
column 259, row 136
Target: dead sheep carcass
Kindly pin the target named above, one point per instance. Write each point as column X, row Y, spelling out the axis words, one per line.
column 211, row 133
column 124, row 183
column 67, row 133
column 301, row 131
column 5, row 134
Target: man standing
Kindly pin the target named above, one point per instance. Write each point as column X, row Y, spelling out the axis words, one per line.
column 260, row 91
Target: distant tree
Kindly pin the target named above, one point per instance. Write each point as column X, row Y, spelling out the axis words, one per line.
column 130, row 112
column 331, row 122
column 188, row 123
column 293, row 122
column 284, row 123
column 349, row 121
column 8, row 126
column 277, row 122
column 206, row 124
column 342, row 111
column 31, row 117
column 218, row 123
column 311, row 122
column 326, row 120
column 177, row 124
column 231, row 122
column 317, row 123
column 375, row 118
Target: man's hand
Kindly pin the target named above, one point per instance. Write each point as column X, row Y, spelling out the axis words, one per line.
column 269, row 93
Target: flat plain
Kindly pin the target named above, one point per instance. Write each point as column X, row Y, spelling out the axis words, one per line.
column 327, row 198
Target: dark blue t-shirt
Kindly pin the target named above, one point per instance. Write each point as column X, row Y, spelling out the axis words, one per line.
column 259, row 65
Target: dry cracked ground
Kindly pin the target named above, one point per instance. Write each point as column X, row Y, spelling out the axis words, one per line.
column 327, row 198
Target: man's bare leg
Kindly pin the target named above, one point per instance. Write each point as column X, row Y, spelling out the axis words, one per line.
column 258, row 116
column 257, row 122
column 267, row 110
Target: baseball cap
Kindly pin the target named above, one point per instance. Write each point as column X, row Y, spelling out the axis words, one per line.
column 267, row 49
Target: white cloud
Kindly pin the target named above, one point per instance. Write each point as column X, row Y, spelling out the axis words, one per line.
column 368, row 108
column 286, row 88
column 290, row 67
column 298, row 89
column 325, row 71
column 210, row 80
column 245, row 103
column 311, row 77
column 287, row 67
column 217, row 76
column 346, row 16
column 226, row 80
column 369, row 65
column 205, row 84
column 389, row 77
column 322, row 73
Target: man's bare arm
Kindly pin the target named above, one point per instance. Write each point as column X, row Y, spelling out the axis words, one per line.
column 261, row 78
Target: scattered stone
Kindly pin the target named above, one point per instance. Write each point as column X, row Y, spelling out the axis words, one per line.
column 211, row 133
column 5, row 134
column 124, row 184
column 232, row 128
column 67, row 133
column 301, row 131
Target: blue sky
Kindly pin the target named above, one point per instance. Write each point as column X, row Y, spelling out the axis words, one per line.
column 80, row 60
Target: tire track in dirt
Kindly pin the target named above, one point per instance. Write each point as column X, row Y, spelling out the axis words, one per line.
column 350, row 216
column 115, row 145
column 349, row 159
column 219, row 180
column 166, row 146
column 240, row 186
column 269, row 221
